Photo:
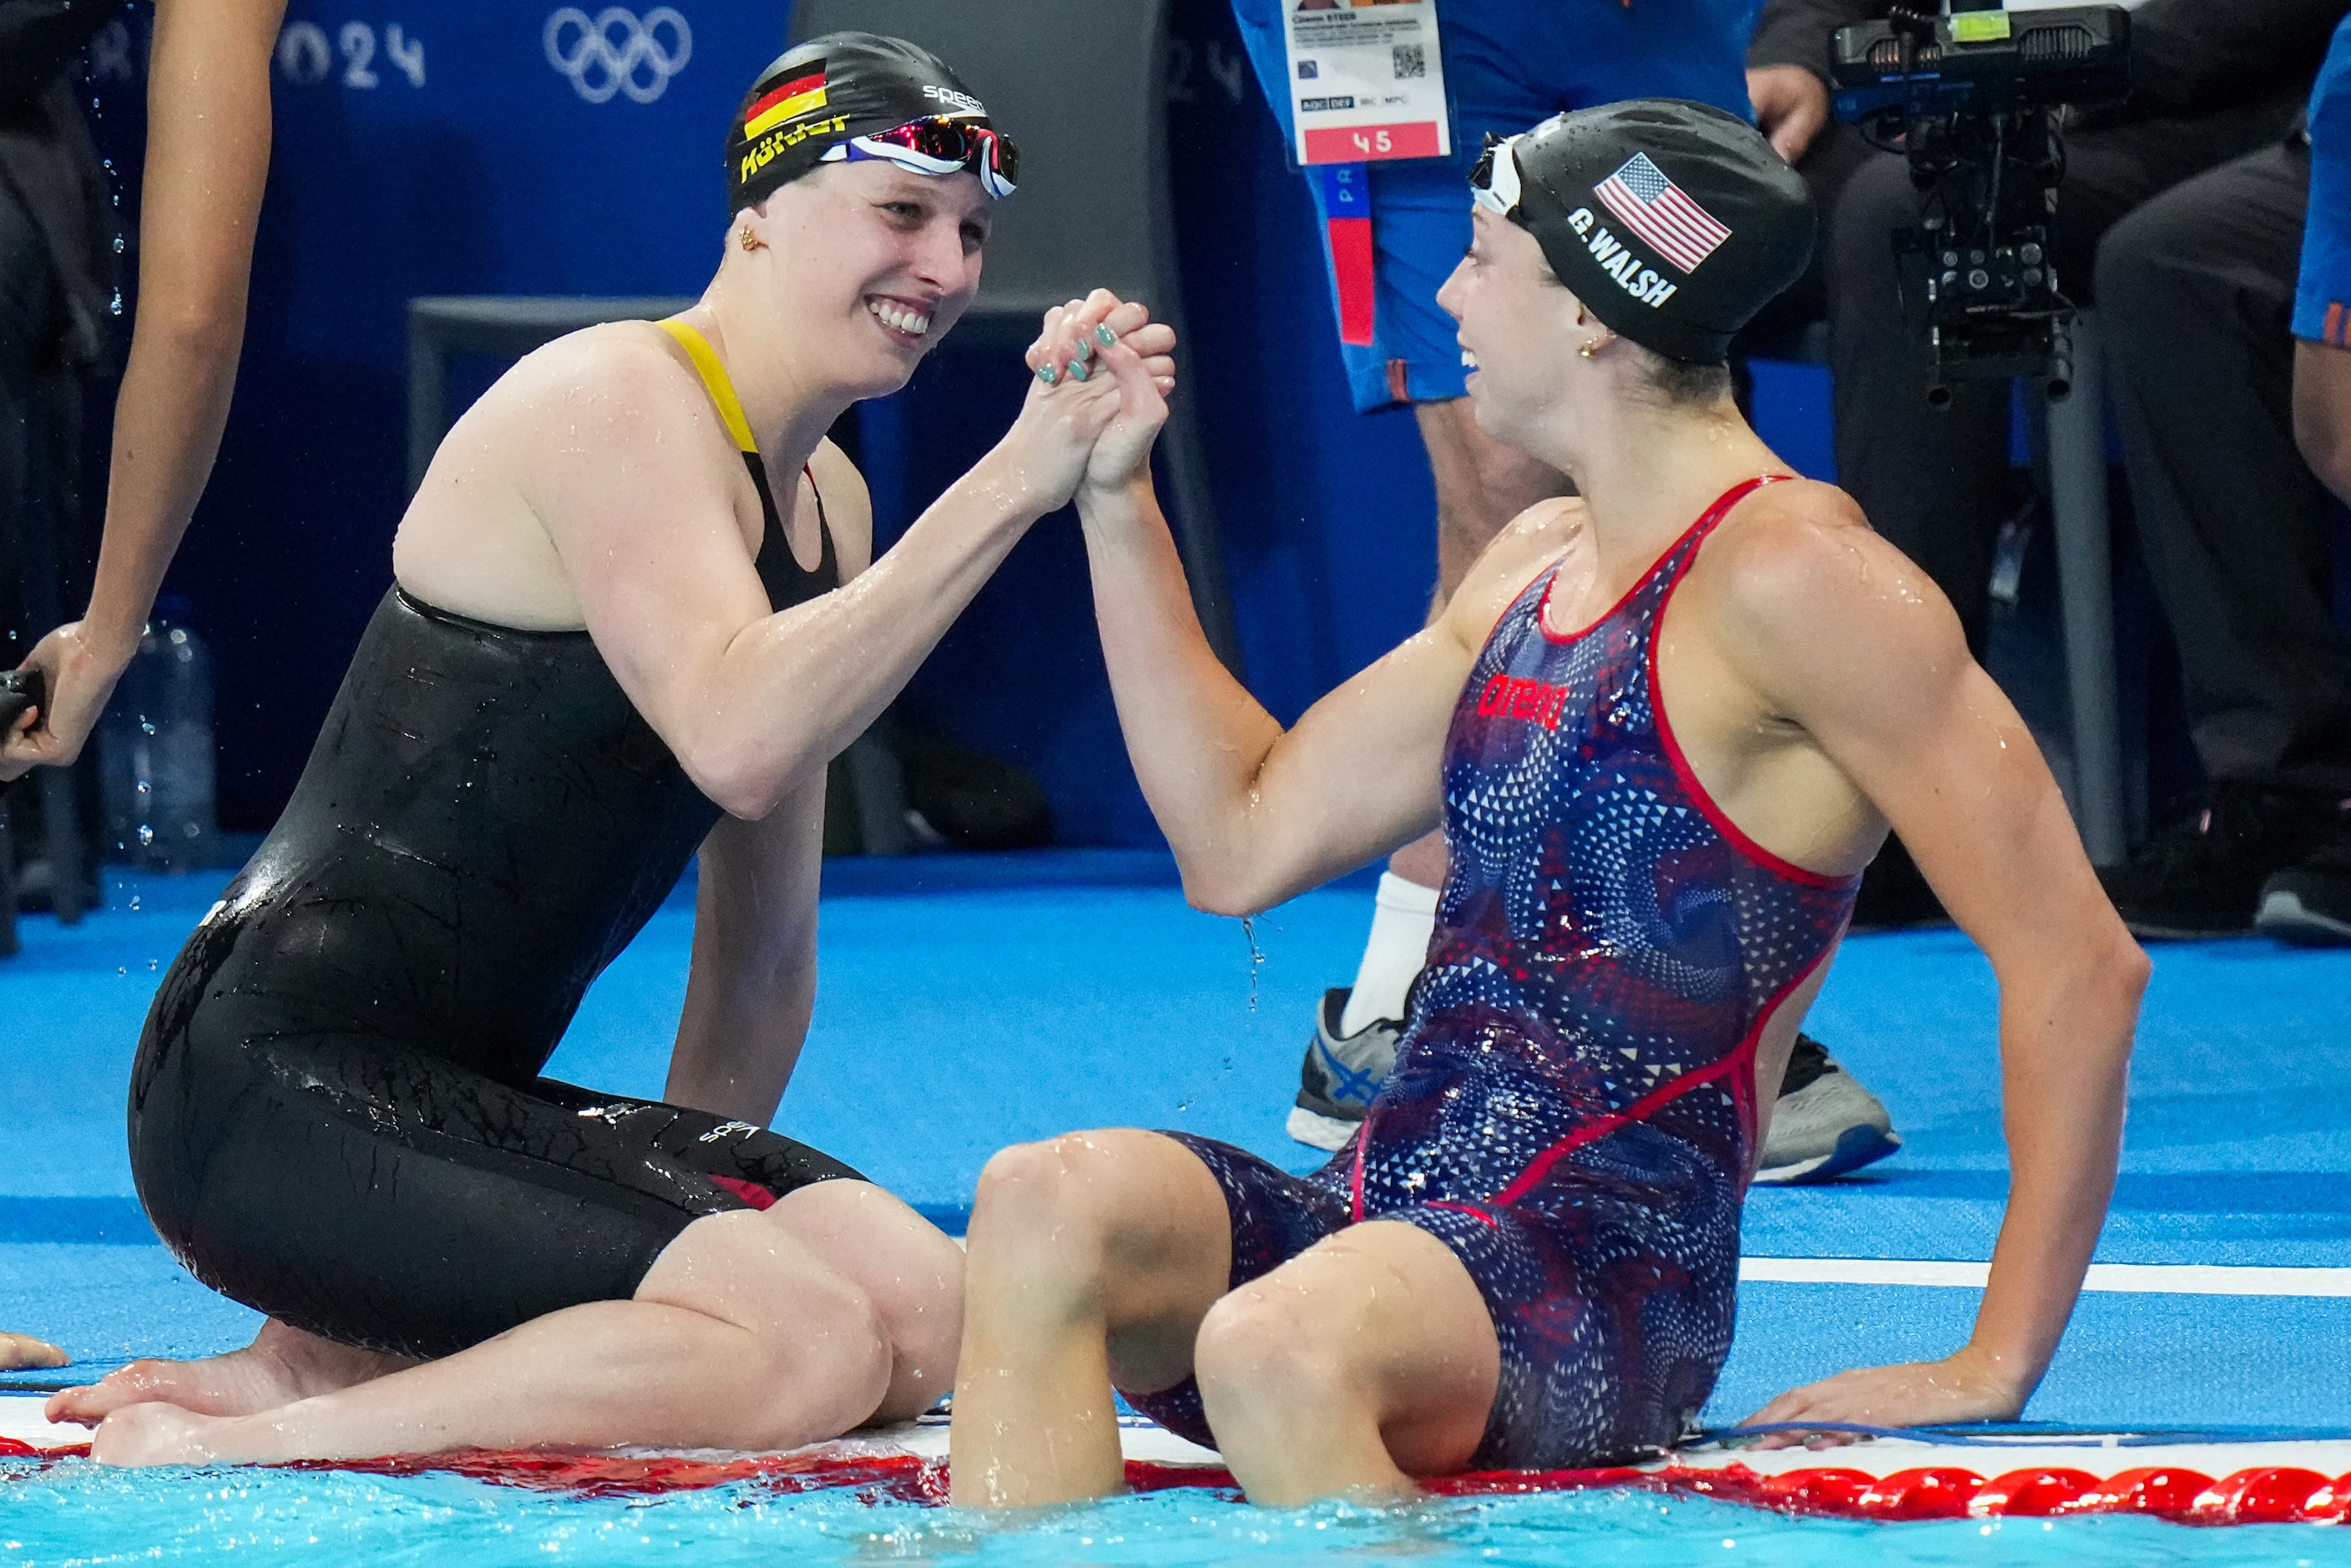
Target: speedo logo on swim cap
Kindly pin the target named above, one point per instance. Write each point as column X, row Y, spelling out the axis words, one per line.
column 956, row 102
column 1643, row 284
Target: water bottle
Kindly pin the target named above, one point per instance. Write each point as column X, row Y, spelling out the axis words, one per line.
column 155, row 752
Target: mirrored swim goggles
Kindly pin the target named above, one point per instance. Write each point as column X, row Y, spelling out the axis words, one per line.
column 938, row 147
column 1494, row 181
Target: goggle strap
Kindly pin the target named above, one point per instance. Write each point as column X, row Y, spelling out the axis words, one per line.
column 1495, row 182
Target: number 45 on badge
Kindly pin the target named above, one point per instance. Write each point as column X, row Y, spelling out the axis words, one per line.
column 1367, row 81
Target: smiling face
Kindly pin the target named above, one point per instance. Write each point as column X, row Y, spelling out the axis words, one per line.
column 1518, row 329
column 868, row 265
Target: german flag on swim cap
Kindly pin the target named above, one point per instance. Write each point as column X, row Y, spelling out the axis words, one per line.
column 820, row 94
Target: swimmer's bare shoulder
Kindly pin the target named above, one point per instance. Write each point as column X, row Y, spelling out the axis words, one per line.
column 1809, row 606
column 1526, row 546
column 609, row 418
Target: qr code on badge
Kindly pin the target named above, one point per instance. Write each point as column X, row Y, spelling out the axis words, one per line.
column 1411, row 60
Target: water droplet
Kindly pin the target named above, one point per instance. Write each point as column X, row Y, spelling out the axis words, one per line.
column 146, row 833
column 134, row 901
column 1257, row 955
column 150, row 965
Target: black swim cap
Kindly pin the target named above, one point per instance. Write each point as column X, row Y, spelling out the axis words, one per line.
column 818, row 95
column 1674, row 222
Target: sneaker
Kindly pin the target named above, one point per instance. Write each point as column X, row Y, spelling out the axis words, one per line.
column 1341, row 1074
column 2202, row 872
column 1824, row 1124
column 2311, row 903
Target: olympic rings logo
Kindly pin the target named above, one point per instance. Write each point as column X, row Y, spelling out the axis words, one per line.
column 616, row 53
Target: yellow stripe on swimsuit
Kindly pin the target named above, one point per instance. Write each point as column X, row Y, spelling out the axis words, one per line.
column 714, row 377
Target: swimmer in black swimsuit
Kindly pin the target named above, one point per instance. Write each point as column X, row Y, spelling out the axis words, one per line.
column 615, row 638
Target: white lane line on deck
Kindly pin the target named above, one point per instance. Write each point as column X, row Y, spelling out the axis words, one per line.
column 2170, row 1279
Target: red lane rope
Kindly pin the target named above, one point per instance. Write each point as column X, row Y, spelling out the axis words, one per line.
column 2266, row 1494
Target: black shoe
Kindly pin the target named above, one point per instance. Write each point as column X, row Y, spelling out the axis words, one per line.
column 2202, row 873
column 2310, row 903
column 1893, row 894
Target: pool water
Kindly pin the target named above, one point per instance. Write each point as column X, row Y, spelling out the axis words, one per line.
column 76, row 1512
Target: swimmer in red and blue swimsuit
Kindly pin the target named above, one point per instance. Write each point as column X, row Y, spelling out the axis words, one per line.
column 1662, row 726
column 1572, row 1111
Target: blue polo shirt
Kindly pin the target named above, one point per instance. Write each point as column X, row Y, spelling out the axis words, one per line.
column 2322, row 305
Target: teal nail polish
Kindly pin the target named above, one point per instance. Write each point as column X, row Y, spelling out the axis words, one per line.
column 1048, row 374
column 1077, row 370
column 1085, row 349
column 1106, row 335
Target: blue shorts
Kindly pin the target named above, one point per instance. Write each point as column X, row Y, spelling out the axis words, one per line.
column 2322, row 305
column 1509, row 65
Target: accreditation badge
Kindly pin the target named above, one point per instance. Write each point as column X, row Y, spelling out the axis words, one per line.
column 1367, row 81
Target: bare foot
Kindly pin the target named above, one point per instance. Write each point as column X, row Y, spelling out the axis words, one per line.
column 282, row 1365
column 19, row 1351
column 156, row 1433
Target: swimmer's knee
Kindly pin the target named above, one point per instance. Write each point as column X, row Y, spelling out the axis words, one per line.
column 1264, row 1348
column 1044, row 1224
column 817, row 1370
column 1057, row 1184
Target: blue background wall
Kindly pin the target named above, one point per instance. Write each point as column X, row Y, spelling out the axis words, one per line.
column 495, row 174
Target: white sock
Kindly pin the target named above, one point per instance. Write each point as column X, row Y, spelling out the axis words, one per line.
column 1404, row 918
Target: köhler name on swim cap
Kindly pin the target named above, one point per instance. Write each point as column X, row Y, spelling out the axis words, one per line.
column 822, row 93
column 1673, row 222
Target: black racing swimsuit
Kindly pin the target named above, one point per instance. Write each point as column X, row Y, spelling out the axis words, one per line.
column 336, row 1114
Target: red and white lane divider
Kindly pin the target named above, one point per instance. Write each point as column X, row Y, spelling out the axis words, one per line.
column 1889, row 1480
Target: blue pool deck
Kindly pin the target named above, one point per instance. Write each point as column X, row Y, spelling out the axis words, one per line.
column 965, row 1003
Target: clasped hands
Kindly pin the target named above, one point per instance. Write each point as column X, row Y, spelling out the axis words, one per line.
column 1102, row 369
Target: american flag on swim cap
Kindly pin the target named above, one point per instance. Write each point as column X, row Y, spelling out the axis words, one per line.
column 1660, row 212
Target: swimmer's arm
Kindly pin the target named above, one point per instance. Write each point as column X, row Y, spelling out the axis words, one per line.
column 1837, row 632
column 207, row 155
column 752, row 987
column 2322, row 413
column 1257, row 815
column 752, row 702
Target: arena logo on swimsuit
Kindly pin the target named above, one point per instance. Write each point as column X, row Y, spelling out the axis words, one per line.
column 1508, row 697
column 1642, row 283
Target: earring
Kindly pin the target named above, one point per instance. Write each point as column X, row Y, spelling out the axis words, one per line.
column 749, row 240
column 1592, row 347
